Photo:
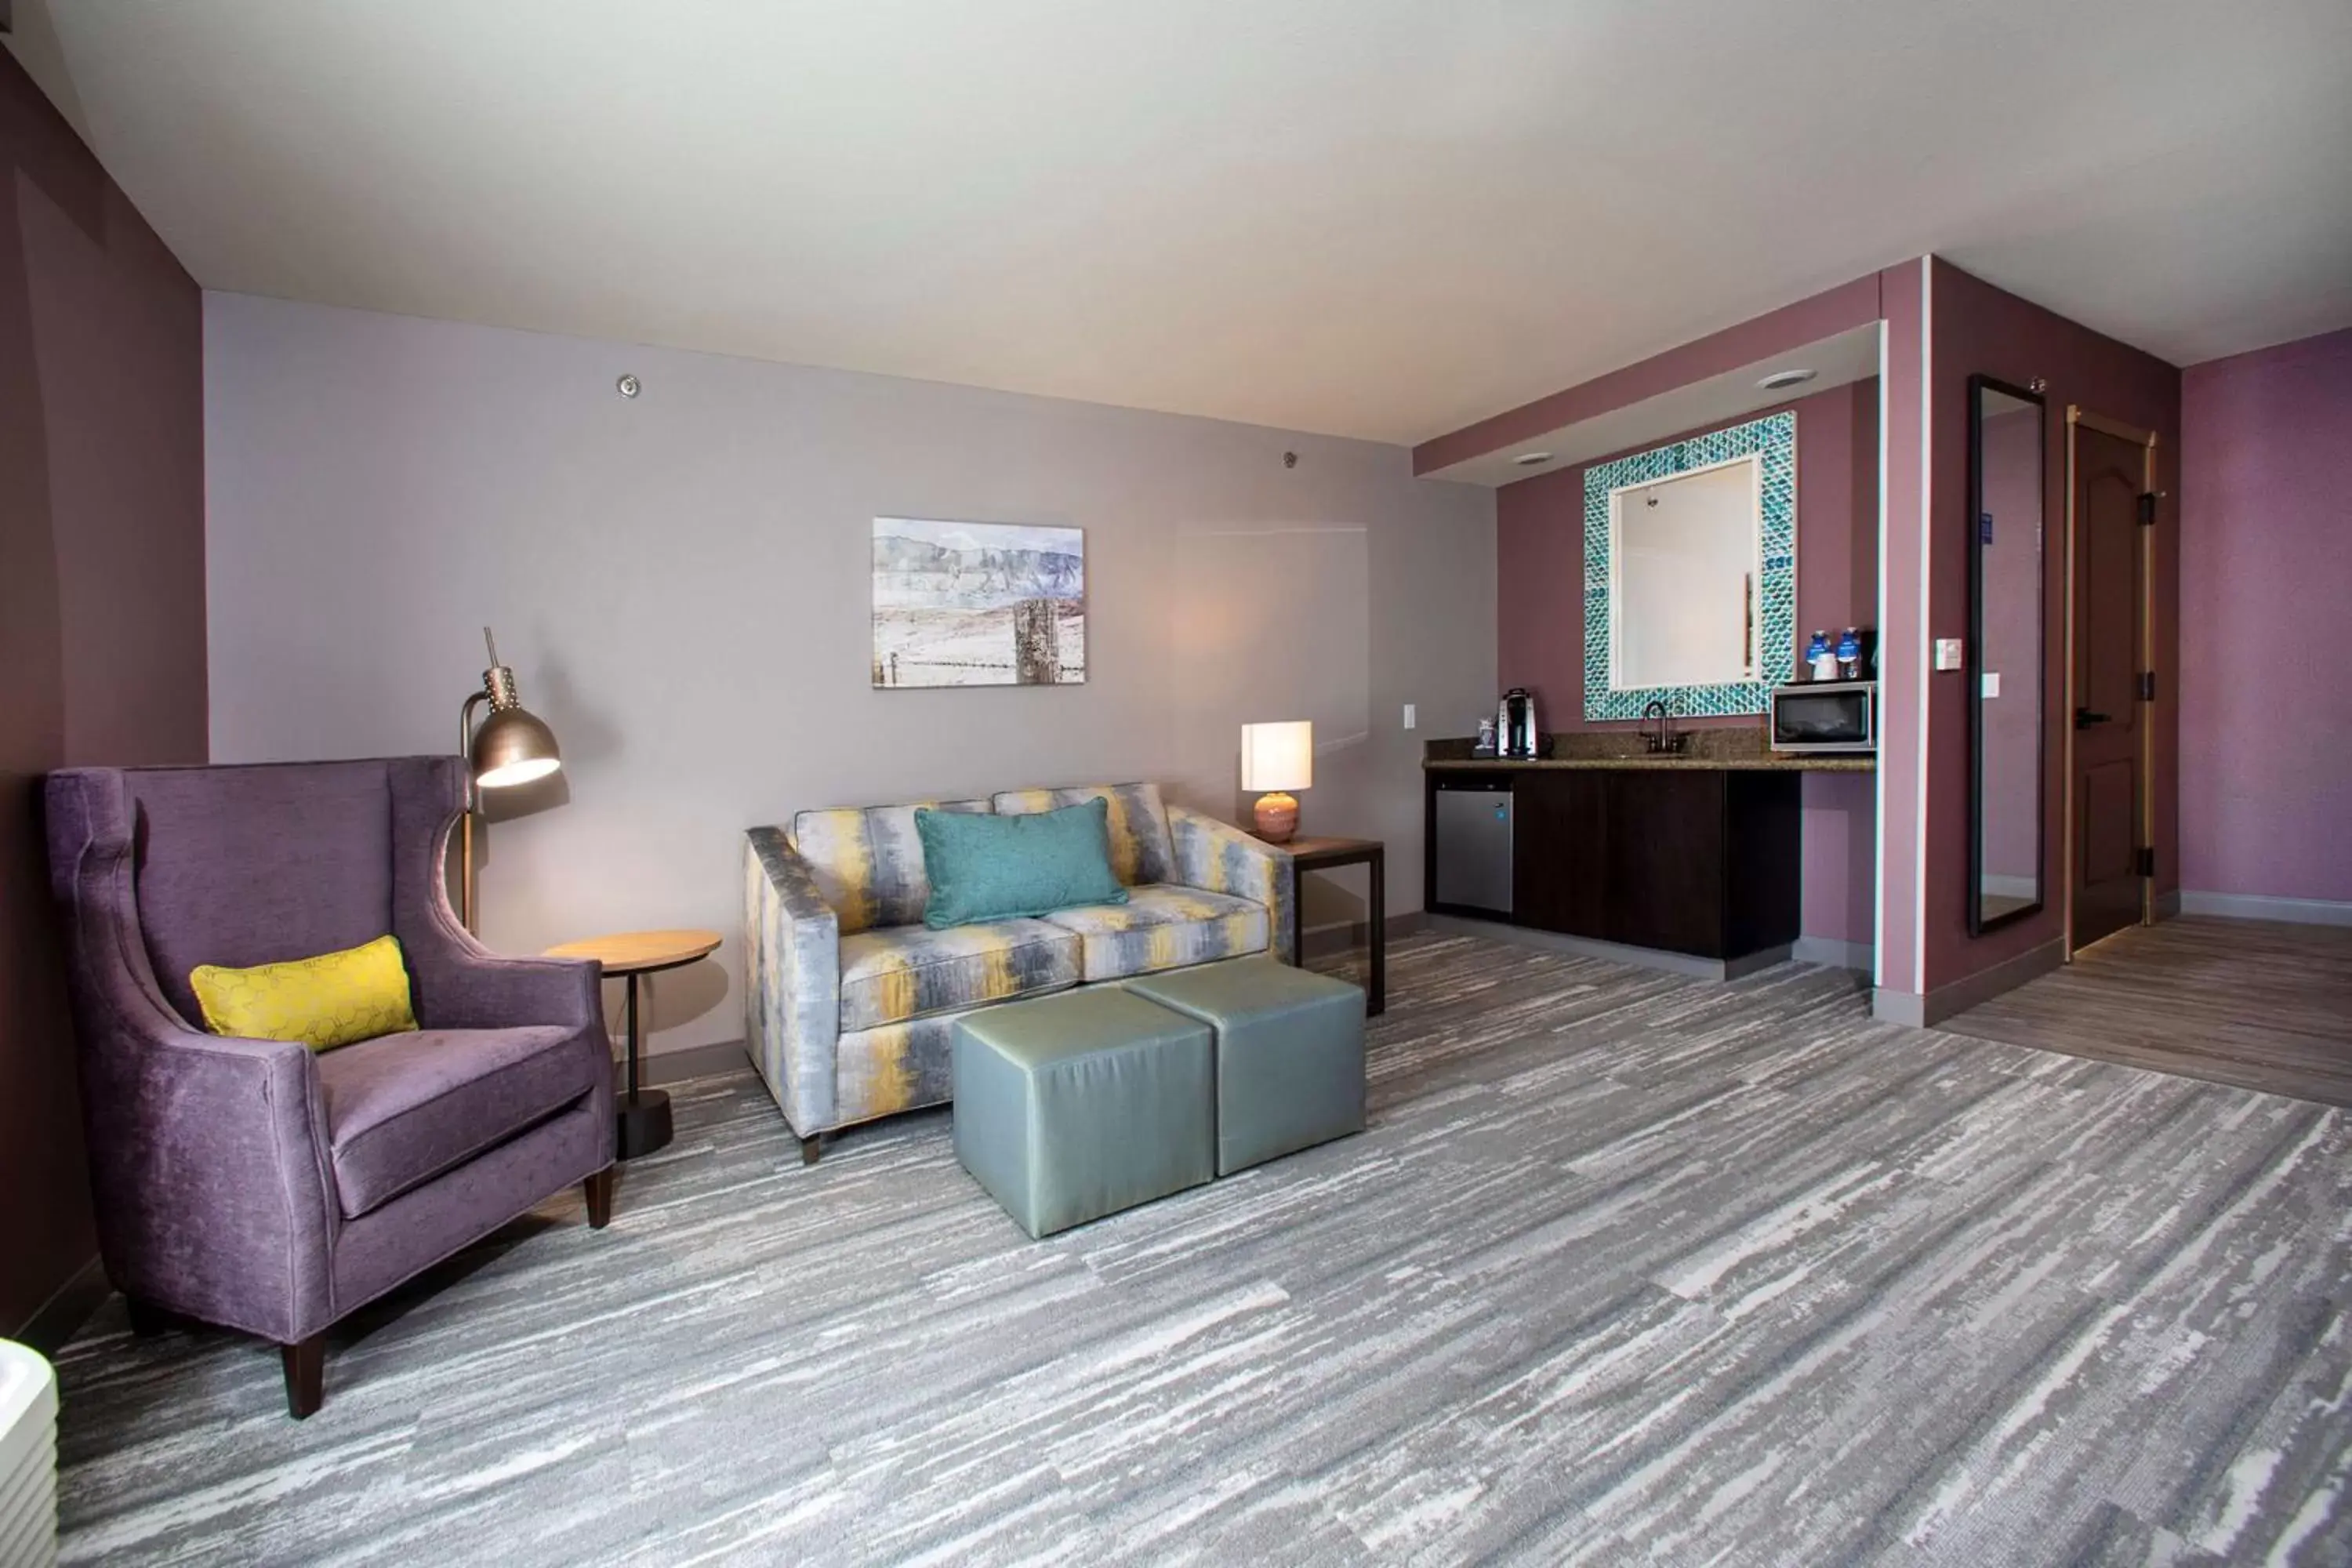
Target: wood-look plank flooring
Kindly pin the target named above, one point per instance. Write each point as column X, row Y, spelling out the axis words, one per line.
column 1628, row 1268
column 2249, row 1003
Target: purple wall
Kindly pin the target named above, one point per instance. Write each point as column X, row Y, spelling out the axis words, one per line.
column 1540, row 629
column 2266, row 587
column 1972, row 328
column 101, row 603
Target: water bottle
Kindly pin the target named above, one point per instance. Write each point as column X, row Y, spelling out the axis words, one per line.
column 1849, row 654
column 1820, row 664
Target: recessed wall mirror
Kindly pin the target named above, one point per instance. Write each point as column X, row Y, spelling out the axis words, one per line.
column 1690, row 574
column 2004, row 666
column 1686, row 551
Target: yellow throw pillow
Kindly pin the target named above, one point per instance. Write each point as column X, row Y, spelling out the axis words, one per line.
column 324, row 1002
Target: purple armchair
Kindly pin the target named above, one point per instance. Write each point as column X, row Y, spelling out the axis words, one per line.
column 260, row 1184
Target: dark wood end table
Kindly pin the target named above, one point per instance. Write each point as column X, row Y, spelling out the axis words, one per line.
column 642, row 1118
column 1319, row 854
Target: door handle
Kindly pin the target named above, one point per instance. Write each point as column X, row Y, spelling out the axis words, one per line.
column 2084, row 719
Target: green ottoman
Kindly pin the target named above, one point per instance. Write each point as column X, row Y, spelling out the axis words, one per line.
column 1079, row 1105
column 1290, row 1053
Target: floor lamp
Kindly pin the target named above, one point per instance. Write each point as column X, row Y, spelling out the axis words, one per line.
column 512, row 747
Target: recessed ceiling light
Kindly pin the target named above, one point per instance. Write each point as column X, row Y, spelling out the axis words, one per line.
column 1529, row 460
column 1781, row 378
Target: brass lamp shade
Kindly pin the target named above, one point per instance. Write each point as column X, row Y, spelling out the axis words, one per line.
column 513, row 747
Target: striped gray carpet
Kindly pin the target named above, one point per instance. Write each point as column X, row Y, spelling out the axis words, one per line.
column 1630, row 1268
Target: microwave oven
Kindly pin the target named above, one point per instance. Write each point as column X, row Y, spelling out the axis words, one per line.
column 1825, row 716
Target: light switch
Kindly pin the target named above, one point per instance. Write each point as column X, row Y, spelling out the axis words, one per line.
column 1992, row 683
column 1410, row 719
column 1947, row 653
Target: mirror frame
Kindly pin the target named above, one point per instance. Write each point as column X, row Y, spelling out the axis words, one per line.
column 1974, row 664
column 1773, row 440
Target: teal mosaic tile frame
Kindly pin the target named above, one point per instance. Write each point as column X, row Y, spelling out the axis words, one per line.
column 1772, row 441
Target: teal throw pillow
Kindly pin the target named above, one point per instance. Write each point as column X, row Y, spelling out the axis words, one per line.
column 988, row 868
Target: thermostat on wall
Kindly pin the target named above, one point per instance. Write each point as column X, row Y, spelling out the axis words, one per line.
column 1947, row 653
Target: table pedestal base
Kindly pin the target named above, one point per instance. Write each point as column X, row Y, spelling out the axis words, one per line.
column 643, row 1123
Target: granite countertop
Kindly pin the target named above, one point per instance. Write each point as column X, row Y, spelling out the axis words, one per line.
column 1768, row 761
column 1717, row 748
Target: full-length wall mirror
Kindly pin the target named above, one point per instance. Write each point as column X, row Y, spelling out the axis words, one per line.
column 2005, row 652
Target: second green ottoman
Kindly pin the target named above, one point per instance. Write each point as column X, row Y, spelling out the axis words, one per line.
column 1079, row 1105
column 1290, row 1053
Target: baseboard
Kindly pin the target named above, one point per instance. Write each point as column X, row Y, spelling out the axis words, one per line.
column 1898, row 1007
column 1947, row 1001
column 60, row 1316
column 1346, row 936
column 2254, row 907
column 1831, row 953
column 1614, row 952
column 1755, row 962
column 695, row 1062
column 2167, row 905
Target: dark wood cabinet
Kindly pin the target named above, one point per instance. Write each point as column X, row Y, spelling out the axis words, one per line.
column 1705, row 861
column 1558, row 850
column 1665, row 834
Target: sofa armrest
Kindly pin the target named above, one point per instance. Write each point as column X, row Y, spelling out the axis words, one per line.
column 1224, row 859
column 791, row 990
column 208, row 1154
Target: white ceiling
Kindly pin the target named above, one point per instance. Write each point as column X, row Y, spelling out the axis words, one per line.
column 1384, row 218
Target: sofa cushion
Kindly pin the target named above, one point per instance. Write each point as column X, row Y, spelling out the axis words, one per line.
column 867, row 860
column 1162, row 927
column 403, row 1108
column 910, row 972
column 1000, row 868
column 1140, row 848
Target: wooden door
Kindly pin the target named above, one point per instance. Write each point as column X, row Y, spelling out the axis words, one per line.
column 2108, row 787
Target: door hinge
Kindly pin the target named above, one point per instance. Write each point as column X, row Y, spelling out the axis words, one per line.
column 2147, row 509
column 2147, row 862
column 2148, row 686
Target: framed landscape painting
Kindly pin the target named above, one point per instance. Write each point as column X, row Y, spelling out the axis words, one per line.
column 977, row 604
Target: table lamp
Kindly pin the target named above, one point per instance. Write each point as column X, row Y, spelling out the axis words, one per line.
column 512, row 747
column 1278, row 758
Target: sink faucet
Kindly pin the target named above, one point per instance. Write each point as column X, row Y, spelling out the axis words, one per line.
column 1664, row 738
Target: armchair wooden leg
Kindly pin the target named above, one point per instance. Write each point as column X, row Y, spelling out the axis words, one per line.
column 810, row 1147
column 306, row 1374
column 147, row 1319
column 599, row 1188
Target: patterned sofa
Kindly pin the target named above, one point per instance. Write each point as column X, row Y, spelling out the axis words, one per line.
column 850, row 999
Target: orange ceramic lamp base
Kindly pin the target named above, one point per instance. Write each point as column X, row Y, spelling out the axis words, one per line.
column 1277, row 817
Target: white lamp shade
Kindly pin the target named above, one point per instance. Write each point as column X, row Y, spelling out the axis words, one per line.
column 1278, row 757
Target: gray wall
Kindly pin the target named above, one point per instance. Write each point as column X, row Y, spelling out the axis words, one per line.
column 680, row 583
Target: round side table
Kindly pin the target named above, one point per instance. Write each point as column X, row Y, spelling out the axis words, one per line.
column 643, row 1114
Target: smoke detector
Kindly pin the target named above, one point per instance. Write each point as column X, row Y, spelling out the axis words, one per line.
column 1781, row 378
